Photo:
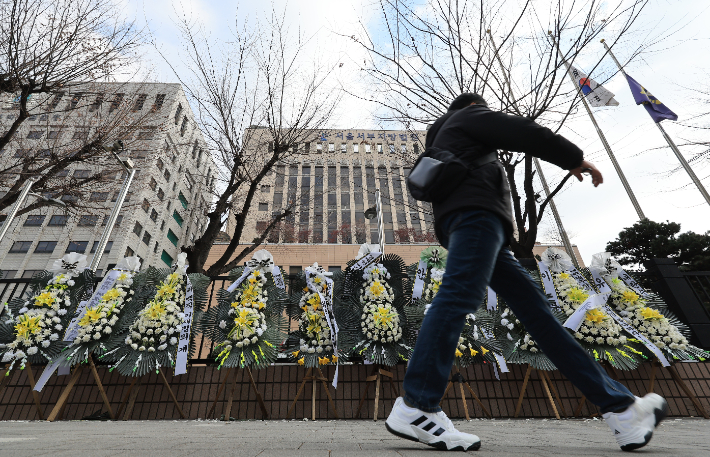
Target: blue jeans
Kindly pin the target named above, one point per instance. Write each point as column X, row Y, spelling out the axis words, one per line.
column 477, row 257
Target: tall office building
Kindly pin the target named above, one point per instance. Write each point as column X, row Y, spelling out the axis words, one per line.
column 168, row 197
column 331, row 181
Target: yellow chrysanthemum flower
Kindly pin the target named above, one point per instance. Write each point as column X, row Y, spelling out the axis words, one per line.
column 301, row 361
column 295, row 353
column 323, row 360
column 45, row 298
column 629, row 296
column 595, row 315
column 314, row 301
column 564, row 276
column 650, row 313
column 576, row 294
column 377, row 289
column 458, row 353
column 156, row 311
column 383, row 316
column 473, row 351
column 112, row 294
column 166, row 289
column 27, row 326
column 122, row 277
column 91, row 315
column 484, row 350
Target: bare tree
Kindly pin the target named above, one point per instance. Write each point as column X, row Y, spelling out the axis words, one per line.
column 257, row 99
column 47, row 48
column 425, row 56
column 74, row 132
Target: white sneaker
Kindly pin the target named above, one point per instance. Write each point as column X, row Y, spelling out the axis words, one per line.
column 633, row 428
column 434, row 429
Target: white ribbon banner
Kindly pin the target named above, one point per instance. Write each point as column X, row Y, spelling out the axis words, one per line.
column 278, row 278
column 365, row 261
column 499, row 358
column 73, row 327
column 604, row 287
column 624, row 276
column 492, row 300
column 419, row 280
column 327, row 303
column 594, row 301
column 548, row 285
column 241, row 279
column 184, row 341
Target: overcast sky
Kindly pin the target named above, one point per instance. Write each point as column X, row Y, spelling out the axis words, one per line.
column 674, row 69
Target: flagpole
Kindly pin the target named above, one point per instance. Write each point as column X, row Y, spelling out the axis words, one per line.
column 622, row 177
column 553, row 207
column 668, row 139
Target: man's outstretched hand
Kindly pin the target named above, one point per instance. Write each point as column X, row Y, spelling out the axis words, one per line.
column 588, row 167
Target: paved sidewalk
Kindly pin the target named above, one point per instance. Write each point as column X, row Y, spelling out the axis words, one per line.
column 532, row 437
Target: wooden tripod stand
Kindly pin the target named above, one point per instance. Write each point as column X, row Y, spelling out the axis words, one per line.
column 58, row 410
column 458, row 378
column 230, row 397
column 132, row 393
column 314, row 377
column 6, row 377
column 376, row 376
column 549, row 389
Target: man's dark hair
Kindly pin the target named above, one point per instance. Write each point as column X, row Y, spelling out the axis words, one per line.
column 465, row 99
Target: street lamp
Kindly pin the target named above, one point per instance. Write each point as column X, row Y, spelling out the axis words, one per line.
column 376, row 211
column 128, row 167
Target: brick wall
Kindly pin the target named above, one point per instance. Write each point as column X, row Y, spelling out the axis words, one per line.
column 279, row 384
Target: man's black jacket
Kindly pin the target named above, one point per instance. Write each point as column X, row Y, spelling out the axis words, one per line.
column 475, row 131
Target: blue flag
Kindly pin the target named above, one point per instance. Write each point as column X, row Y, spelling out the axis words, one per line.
column 657, row 110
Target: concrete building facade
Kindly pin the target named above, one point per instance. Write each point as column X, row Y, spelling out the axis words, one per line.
column 168, row 197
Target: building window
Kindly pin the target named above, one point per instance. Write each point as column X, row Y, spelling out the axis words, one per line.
column 183, row 200
column 145, row 205
column 35, row 135
column 162, row 225
column 30, row 273
column 55, row 101
column 62, row 173
column 145, row 135
column 153, row 183
column 155, row 248
column 177, row 218
column 159, row 163
column 403, row 149
column 7, row 274
column 319, row 148
column 77, row 246
column 75, row 101
column 161, row 194
column 167, row 175
column 80, row 135
column 356, row 148
column 368, row 149
column 34, row 220
column 154, row 215
column 159, row 100
column 70, row 198
column 54, row 134
column 116, row 102
column 45, row 247
column 343, row 148
column 146, row 238
column 331, row 147
column 88, row 221
column 165, row 257
column 172, row 237
column 138, row 229
column 138, row 105
column 262, row 207
column 20, row 247
column 98, row 196
column 265, row 189
column 118, row 220
column 58, row 221
column 129, row 252
column 177, row 113
column 183, row 126
column 81, row 174
column 98, row 101
column 391, row 148
column 107, row 249
column 379, row 148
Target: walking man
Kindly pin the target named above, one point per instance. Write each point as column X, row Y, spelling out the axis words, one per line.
column 475, row 223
